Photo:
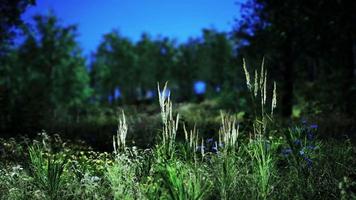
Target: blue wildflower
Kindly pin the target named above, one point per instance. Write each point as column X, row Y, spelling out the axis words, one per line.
column 110, row 98
column 210, row 140
column 149, row 94
column 309, row 162
column 301, row 152
column 304, row 121
column 312, row 147
column 214, row 149
column 286, row 152
column 314, row 126
column 117, row 93
column 297, row 142
column 310, row 136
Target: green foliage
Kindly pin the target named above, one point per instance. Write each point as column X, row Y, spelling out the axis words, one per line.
column 17, row 184
column 46, row 76
column 297, row 43
column 258, row 161
column 263, row 166
column 47, row 173
column 182, row 181
column 122, row 175
column 228, row 175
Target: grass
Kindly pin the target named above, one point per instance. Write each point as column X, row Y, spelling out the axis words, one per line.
column 259, row 161
column 47, row 173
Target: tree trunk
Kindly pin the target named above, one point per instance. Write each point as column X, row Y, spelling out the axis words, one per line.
column 288, row 84
column 287, row 64
column 348, row 82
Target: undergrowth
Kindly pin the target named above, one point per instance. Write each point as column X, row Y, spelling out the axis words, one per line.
column 262, row 161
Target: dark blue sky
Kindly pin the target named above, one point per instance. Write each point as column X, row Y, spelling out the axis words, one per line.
column 178, row 19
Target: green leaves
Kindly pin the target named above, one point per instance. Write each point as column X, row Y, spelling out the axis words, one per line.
column 47, row 173
column 183, row 181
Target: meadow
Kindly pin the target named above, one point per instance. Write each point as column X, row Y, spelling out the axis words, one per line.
column 259, row 158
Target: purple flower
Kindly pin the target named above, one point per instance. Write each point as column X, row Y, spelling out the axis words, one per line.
column 304, row 121
column 309, row 162
column 286, row 152
column 314, row 126
column 209, row 140
column 297, row 142
column 310, row 136
column 214, row 149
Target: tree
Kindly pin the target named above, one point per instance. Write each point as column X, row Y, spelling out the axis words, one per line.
column 115, row 68
column 297, row 36
column 10, row 18
column 216, row 53
column 48, row 78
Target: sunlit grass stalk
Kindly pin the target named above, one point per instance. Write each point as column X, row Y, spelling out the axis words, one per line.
column 274, row 98
column 119, row 142
column 191, row 142
column 170, row 125
column 258, row 92
column 228, row 132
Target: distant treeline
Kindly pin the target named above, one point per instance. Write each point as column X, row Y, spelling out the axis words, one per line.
column 308, row 48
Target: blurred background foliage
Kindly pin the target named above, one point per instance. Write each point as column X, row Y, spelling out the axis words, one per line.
column 308, row 48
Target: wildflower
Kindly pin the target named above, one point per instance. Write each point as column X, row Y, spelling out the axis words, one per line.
column 310, row 136
column 286, row 152
column 312, row 147
column 149, row 94
column 297, row 142
column 214, row 149
column 209, row 140
column 94, row 178
column 314, row 126
column 309, row 161
column 17, row 168
column 301, row 152
column 304, row 121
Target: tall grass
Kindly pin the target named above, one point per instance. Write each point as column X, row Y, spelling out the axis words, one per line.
column 257, row 161
column 170, row 124
column 119, row 142
column 47, row 172
column 260, row 148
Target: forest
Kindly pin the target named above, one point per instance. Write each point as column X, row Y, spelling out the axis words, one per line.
column 264, row 111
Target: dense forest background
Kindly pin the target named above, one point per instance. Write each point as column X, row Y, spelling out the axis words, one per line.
column 308, row 47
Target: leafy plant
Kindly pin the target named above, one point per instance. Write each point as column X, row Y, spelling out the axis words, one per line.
column 47, row 172
column 183, row 181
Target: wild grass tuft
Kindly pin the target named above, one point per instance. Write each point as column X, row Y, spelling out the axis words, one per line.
column 47, row 172
column 170, row 124
column 119, row 142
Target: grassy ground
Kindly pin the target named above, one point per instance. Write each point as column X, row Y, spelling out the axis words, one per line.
column 258, row 158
